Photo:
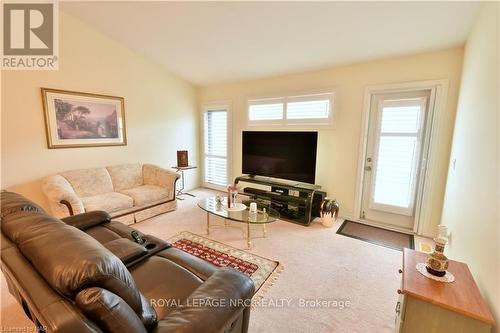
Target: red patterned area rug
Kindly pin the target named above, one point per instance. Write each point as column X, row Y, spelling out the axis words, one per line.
column 262, row 271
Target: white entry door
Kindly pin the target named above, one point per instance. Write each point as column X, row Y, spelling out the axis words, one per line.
column 394, row 158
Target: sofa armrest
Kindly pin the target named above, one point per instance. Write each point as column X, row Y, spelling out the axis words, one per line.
column 213, row 307
column 109, row 311
column 62, row 198
column 87, row 220
column 154, row 175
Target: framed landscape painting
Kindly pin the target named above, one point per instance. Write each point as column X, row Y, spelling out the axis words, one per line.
column 76, row 119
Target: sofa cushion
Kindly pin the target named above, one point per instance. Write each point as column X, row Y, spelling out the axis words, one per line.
column 125, row 176
column 108, row 202
column 155, row 276
column 89, row 182
column 146, row 194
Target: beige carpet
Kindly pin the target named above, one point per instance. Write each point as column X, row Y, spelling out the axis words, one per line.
column 318, row 265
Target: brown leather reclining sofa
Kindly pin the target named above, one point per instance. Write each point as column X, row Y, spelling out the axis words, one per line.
column 86, row 273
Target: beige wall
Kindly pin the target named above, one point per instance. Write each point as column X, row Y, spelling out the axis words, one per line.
column 471, row 207
column 338, row 149
column 160, row 110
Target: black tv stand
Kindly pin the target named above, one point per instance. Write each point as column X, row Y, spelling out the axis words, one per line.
column 296, row 202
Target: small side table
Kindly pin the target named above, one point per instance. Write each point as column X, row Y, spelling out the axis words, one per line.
column 181, row 170
column 426, row 305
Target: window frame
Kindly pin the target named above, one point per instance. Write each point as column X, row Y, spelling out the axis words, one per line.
column 215, row 106
column 262, row 101
column 306, row 123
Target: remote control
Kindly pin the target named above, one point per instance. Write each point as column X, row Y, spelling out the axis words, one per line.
column 137, row 237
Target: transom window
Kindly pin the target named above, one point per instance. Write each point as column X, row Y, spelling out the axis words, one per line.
column 311, row 109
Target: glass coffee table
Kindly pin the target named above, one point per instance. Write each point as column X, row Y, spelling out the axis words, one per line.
column 245, row 218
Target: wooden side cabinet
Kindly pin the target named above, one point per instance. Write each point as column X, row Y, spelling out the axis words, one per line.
column 426, row 305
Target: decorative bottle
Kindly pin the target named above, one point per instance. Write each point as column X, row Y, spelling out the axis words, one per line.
column 232, row 192
column 437, row 263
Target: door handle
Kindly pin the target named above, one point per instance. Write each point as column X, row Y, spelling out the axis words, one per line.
column 368, row 168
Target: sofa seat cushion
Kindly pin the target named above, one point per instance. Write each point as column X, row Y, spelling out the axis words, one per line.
column 160, row 279
column 108, row 202
column 146, row 194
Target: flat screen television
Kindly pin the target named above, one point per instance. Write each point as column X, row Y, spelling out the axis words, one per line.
column 285, row 155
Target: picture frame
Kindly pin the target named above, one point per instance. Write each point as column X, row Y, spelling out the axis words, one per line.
column 182, row 158
column 78, row 119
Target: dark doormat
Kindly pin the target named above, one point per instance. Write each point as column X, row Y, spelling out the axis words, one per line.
column 392, row 239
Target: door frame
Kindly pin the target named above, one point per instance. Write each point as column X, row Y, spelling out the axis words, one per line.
column 437, row 103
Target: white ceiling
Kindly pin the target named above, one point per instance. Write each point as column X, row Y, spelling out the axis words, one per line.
column 212, row 42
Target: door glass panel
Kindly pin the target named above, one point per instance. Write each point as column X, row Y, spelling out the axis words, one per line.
column 395, row 171
column 400, row 119
column 397, row 154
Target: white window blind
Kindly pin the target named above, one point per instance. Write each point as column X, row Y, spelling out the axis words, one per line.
column 394, row 181
column 397, row 155
column 215, row 159
column 308, row 107
column 314, row 109
column 266, row 110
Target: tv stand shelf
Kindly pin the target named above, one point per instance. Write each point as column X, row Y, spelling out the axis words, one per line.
column 296, row 202
column 276, row 182
column 275, row 196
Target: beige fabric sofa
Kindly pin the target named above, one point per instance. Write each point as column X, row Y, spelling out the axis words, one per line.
column 129, row 192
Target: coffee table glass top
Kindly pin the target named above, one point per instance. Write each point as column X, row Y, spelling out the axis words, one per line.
column 210, row 205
